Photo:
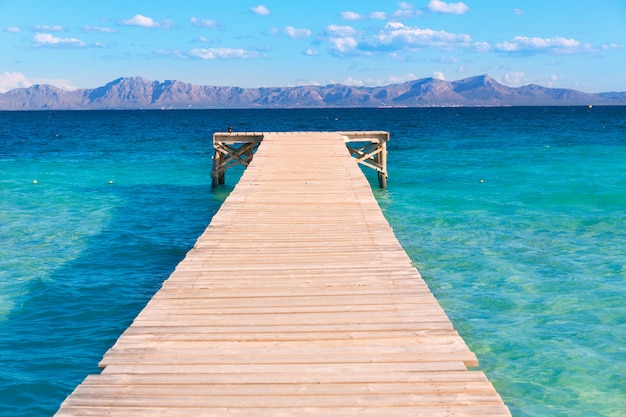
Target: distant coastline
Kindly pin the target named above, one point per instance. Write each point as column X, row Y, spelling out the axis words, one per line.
column 140, row 93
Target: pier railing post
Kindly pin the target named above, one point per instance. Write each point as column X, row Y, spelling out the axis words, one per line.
column 216, row 176
column 382, row 161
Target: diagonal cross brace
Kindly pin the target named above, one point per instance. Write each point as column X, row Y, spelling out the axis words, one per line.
column 233, row 156
column 368, row 155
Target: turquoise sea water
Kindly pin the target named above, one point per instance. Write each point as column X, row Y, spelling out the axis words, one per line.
column 514, row 216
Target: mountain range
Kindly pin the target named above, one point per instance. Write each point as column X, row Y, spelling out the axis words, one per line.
column 140, row 93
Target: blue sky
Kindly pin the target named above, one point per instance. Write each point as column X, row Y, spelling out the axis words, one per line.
column 265, row 43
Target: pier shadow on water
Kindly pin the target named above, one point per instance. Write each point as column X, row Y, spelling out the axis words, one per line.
column 62, row 323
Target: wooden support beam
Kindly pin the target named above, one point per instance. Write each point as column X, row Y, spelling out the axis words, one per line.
column 238, row 148
column 370, row 149
column 231, row 149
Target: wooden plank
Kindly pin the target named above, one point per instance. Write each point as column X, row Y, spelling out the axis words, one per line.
column 313, row 370
column 146, row 334
column 250, row 357
column 279, row 378
column 297, row 300
column 407, row 411
column 282, row 389
column 119, row 386
column 257, row 402
column 199, row 343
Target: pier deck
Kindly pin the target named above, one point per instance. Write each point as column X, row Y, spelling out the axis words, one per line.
column 297, row 300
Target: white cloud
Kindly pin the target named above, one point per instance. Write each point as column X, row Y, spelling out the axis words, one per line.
column 378, row 15
column 342, row 38
column 60, row 83
column 394, row 38
column 12, row 80
column 449, row 59
column 353, row 82
column 519, row 12
column 439, row 6
column 397, row 36
column 311, row 52
column 405, row 11
column 13, row 29
column 45, row 28
column 482, row 47
column 146, row 22
column 204, row 23
column 172, row 53
column 393, row 79
column 351, row 16
column 438, row 75
column 515, row 78
column 549, row 83
column 46, row 39
column 557, row 44
column 344, row 45
column 609, row 47
column 97, row 29
column 224, row 53
column 260, row 10
column 297, row 33
column 336, row 30
column 140, row 20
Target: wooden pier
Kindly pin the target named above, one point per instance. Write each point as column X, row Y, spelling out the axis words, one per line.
column 297, row 300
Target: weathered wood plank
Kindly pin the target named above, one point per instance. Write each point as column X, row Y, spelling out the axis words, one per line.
column 408, row 411
column 280, row 378
column 313, row 370
column 257, row 401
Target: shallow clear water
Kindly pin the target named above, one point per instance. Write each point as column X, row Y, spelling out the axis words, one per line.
column 514, row 216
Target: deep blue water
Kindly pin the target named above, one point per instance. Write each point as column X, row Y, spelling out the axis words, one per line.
column 514, row 216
